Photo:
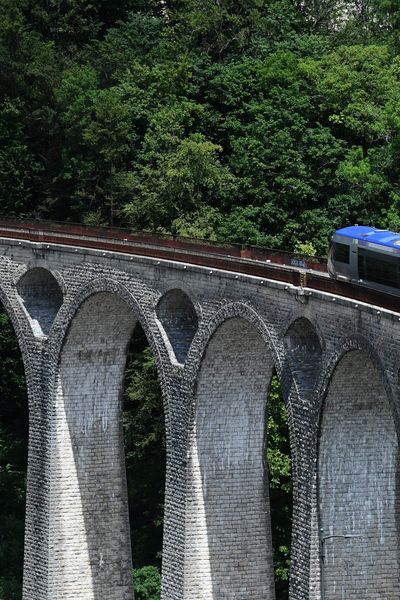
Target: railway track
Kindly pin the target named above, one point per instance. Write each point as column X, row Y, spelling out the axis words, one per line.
column 302, row 271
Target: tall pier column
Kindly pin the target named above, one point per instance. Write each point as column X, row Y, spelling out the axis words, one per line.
column 228, row 549
column 89, row 534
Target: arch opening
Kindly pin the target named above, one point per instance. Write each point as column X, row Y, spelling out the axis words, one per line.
column 358, row 480
column 14, row 425
column 41, row 297
column 228, row 549
column 90, row 528
column 179, row 321
column 279, row 463
column 304, row 352
column 145, row 451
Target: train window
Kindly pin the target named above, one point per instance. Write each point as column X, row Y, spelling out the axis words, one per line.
column 361, row 265
column 341, row 253
column 379, row 268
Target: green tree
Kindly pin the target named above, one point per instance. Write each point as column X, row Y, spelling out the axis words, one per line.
column 13, row 461
column 280, row 486
column 144, row 434
column 147, row 583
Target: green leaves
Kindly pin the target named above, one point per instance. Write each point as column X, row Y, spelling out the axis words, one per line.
column 223, row 27
column 159, row 114
column 280, row 485
column 144, row 436
column 13, row 460
column 17, row 165
column 147, row 583
column 178, row 181
column 355, row 85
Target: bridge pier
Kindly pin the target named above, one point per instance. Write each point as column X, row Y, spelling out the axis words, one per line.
column 89, row 539
column 358, row 479
column 36, row 546
column 228, row 550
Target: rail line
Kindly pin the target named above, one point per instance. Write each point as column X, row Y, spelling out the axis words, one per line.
column 302, row 271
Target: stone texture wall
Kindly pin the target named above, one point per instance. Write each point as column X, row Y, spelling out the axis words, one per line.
column 235, row 329
column 90, row 554
column 357, row 482
column 228, row 551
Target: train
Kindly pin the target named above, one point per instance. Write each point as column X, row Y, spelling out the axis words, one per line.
column 367, row 256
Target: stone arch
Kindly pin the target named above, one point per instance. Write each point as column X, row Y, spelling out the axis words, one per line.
column 228, row 551
column 178, row 321
column 69, row 309
column 89, row 525
column 206, row 331
column 358, row 479
column 41, row 297
column 352, row 343
column 304, row 353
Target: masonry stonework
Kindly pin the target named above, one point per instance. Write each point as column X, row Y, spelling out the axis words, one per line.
column 216, row 337
column 228, row 530
column 357, row 483
column 89, row 526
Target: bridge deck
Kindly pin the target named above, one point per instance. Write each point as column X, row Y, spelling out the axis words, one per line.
column 303, row 271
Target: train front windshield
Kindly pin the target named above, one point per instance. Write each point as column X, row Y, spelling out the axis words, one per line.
column 338, row 257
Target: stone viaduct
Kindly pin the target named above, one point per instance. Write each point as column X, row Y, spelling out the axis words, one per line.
column 217, row 337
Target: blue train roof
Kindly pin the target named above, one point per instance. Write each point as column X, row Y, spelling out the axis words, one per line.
column 384, row 237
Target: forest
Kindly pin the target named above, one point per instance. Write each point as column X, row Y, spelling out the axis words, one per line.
column 267, row 122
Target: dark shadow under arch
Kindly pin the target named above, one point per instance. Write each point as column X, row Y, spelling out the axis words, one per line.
column 304, row 353
column 41, row 296
column 145, row 451
column 279, row 462
column 178, row 318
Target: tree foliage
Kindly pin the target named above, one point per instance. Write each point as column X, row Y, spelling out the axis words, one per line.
column 280, row 485
column 254, row 122
column 144, row 434
column 13, row 461
column 147, row 583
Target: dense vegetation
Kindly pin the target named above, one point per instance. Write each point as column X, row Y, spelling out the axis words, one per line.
column 144, row 434
column 13, row 459
column 261, row 121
